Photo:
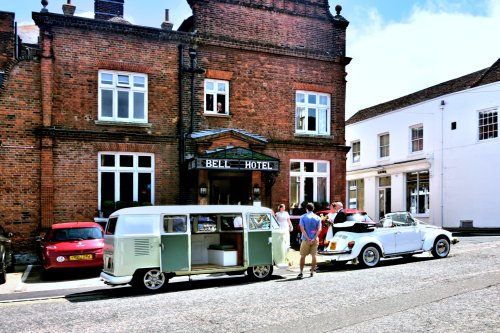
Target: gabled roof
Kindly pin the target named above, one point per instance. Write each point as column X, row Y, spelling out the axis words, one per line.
column 218, row 131
column 476, row 79
column 237, row 153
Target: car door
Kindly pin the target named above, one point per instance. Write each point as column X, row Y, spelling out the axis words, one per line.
column 259, row 239
column 408, row 236
column 175, row 241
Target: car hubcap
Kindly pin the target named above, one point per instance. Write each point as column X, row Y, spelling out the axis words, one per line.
column 370, row 256
column 442, row 247
column 261, row 271
column 154, row 279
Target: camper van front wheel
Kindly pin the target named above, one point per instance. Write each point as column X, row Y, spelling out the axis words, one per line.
column 260, row 272
column 150, row 279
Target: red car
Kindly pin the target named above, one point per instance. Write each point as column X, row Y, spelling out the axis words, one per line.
column 351, row 215
column 72, row 245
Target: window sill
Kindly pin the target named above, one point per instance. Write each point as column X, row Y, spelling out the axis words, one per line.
column 319, row 136
column 122, row 123
column 217, row 115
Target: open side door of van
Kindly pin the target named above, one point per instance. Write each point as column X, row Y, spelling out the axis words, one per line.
column 175, row 244
column 259, row 245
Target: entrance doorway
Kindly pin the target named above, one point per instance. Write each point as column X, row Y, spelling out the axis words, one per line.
column 384, row 196
column 230, row 188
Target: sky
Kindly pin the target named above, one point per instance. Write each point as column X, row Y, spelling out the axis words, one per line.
column 397, row 46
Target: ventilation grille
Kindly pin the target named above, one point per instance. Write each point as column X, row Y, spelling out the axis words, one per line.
column 141, row 247
column 466, row 224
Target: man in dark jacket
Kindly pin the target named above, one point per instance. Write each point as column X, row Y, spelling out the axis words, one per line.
column 340, row 217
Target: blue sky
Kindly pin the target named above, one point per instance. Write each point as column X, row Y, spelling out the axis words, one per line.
column 398, row 46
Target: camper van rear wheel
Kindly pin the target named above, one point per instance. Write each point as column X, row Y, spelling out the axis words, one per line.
column 260, row 272
column 150, row 279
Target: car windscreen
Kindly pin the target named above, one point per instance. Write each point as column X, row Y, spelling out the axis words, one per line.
column 69, row 234
column 358, row 217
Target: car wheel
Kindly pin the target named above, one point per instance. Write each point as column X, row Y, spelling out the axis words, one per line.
column 3, row 273
column 150, row 279
column 260, row 272
column 369, row 256
column 441, row 248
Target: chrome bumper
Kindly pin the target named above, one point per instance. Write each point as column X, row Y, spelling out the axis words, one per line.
column 333, row 253
column 115, row 280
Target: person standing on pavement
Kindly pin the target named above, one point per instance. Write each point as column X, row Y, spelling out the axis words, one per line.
column 283, row 219
column 310, row 227
column 341, row 216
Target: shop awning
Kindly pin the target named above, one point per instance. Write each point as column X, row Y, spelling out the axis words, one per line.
column 235, row 159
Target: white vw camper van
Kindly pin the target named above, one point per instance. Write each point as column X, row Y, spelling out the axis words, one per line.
column 146, row 246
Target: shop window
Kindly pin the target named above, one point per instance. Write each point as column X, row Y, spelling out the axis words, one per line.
column 123, row 97
column 356, row 194
column 417, row 192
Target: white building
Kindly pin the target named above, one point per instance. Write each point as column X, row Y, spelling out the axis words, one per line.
column 435, row 153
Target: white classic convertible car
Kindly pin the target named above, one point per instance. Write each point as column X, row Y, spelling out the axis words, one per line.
column 398, row 234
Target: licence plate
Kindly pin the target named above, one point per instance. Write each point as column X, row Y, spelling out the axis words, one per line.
column 333, row 245
column 81, row 257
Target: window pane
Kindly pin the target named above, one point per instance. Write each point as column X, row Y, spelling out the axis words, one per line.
column 127, row 187
column 139, row 81
column 295, row 191
column 221, row 103
column 174, row 223
column 295, row 166
column 301, row 98
column 309, row 166
column 221, row 87
column 210, row 102
column 209, row 85
column 144, row 161
column 301, row 118
column 106, row 103
column 311, row 119
column 322, row 167
column 138, row 105
column 309, row 189
column 107, row 160
column 106, row 78
column 123, row 104
column 322, row 121
column 144, row 188
column 321, row 189
column 107, row 187
column 126, row 160
column 311, row 99
column 323, row 100
column 123, row 80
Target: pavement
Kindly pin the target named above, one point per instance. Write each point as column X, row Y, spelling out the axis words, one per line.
column 27, row 277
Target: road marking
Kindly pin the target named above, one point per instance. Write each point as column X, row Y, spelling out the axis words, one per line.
column 20, row 285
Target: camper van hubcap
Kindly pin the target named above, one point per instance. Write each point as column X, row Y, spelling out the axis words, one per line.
column 260, row 272
column 154, row 279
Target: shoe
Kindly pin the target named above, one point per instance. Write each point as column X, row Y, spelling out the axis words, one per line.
column 299, row 276
column 312, row 273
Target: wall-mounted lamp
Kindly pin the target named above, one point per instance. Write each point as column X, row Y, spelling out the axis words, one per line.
column 203, row 190
column 256, row 190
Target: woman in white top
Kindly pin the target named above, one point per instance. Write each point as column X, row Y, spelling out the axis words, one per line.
column 283, row 219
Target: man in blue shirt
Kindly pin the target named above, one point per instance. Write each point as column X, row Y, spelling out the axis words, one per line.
column 310, row 227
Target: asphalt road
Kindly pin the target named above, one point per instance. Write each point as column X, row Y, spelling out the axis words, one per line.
column 456, row 294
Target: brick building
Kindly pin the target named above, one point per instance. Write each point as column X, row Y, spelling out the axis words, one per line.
column 243, row 103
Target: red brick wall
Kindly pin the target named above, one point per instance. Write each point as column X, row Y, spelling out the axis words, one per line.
column 20, row 153
column 6, row 39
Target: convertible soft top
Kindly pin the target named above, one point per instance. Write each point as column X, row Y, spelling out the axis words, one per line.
column 355, row 226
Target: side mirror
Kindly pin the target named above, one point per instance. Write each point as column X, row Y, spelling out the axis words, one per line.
column 38, row 238
column 9, row 235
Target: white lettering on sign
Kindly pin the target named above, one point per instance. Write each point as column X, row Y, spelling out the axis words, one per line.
column 222, row 164
column 258, row 165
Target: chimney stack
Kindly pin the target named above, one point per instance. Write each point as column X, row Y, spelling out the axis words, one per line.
column 167, row 25
column 107, row 9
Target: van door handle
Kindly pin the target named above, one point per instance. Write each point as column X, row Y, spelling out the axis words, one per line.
column 269, row 240
column 161, row 245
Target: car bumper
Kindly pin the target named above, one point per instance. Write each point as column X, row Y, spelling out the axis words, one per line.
column 333, row 253
column 115, row 280
column 52, row 262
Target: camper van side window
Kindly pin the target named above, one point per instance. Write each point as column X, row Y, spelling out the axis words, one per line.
column 174, row 223
column 260, row 221
column 111, row 226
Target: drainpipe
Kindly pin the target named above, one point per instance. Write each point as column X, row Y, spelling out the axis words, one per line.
column 182, row 139
column 442, row 104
